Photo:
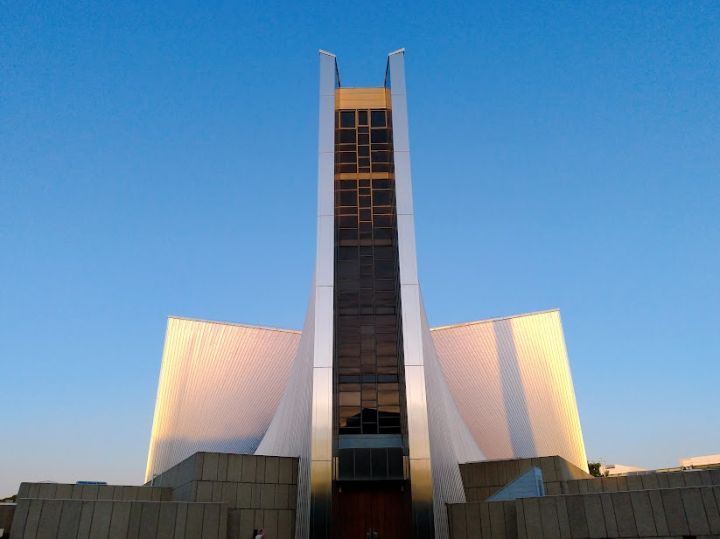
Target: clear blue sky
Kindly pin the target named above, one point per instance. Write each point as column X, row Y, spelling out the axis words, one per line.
column 159, row 159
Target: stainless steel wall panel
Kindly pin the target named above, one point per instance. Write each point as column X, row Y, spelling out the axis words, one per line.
column 406, row 249
column 218, row 390
column 417, row 410
column 512, row 383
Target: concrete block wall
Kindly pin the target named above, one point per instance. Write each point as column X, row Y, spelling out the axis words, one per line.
column 483, row 479
column 65, row 491
column 7, row 510
column 114, row 519
column 676, row 512
column 646, row 481
column 260, row 491
column 245, row 492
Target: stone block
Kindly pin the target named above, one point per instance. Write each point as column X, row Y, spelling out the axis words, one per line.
column 472, row 520
column 234, row 471
column 285, row 470
column 520, row 523
column 644, row 518
column 649, row 481
column 258, row 519
column 634, row 482
column 692, row 479
column 194, row 520
column 658, row 512
column 119, row 520
column 296, row 465
column 510, row 513
column 549, row 471
column 594, row 515
column 563, row 519
column 485, row 519
column 271, row 470
column 244, row 496
column 32, row 520
column 128, row 493
column 228, row 494
column 662, row 479
column 20, row 517
column 47, row 490
column 23, row 490
column 260, row 468
column 270, row 518
column 197, row 464
column 211, row 521
column 64, row 492
column 234, row 525
column 222, row 469
column 86, row 513
column 102, row 516
column 149, row 520
column 217, row 487
column 285, row 524
column 705, row 478
column 676, row 480
column 715, row 476
column 549, row 517
column 573, row 487
column 609, row 514
column 582, row 486
column 576, row 516
column 203, row 491
column 594, row 486
column 497, row 520
column 33, row 489
column 105, row 492
column 181, row 520
column 609, row 484
column 292, row 496
column 134, row 520
column 69, row 518
column 210, row 467
column 674, row 512
column 267, row 496
column 621, row 483
column 624, row 514
column 247, row 522
column 166, row 520
column 711, row 510
column 249, row 467
column 458, row 521
column 49, row 519
column 281, row 496
column 695, row 511
column 533, row 520
column 553, row 489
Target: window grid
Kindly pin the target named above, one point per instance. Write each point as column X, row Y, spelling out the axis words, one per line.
column 368, row 334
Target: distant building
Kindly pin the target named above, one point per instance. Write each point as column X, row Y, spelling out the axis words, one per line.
column 610, row 470
column 705, row 461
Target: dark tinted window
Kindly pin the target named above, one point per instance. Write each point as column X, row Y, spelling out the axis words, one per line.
column 347, row 118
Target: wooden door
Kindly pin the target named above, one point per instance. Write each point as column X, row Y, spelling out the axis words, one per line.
column 362, row 508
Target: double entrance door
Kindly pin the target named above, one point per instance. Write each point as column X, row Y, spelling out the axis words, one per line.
column 372, row 510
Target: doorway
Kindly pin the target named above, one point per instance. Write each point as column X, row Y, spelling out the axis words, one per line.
column 372, row 510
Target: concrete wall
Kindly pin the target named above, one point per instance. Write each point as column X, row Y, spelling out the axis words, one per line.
column 7, row 510
column 259, row 491
column 482, row 479
column 64, row 491
column 206, row 495
column 112, row 519
column 655, row 513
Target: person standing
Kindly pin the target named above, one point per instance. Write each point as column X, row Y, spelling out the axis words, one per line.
column 260, row 534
